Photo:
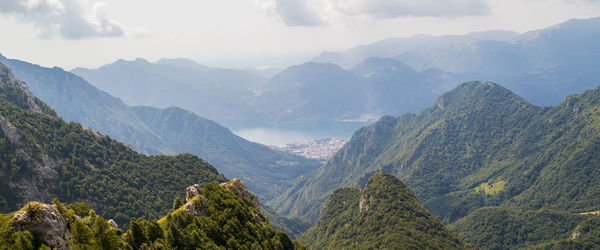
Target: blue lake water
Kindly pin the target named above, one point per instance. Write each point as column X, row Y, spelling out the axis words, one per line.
column 281, row 134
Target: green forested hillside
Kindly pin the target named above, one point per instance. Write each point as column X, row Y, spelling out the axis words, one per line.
column 385, row 215
column 479, row 145
column 219, row 217
column 43, row 157
column 585, row 236
column 508, row 228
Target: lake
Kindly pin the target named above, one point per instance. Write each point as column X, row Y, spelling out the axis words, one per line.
column 281, row 134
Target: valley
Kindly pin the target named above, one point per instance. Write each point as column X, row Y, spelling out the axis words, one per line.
column 310, row 125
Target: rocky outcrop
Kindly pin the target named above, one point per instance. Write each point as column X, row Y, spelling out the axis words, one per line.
column 362, row 205
column 196, row 202
column 192, row 191
column 235, row 185
column 238, row 187
column 113, row 223
column 196, row 206
column 45, row 221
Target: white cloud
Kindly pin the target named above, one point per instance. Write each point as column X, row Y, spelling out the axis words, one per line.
column 66, row 18
column 311, row 12
column 415, row 8
column 292, row 12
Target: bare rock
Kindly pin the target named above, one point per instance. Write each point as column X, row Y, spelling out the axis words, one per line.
column 196, row 206
column 113, row 224
column 362, row 206
column 45, row 221
column 238, row 187
column 192, row 191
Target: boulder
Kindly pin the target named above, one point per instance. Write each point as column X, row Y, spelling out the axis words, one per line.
column 194, row 206
column 45, row 221
column 191, row 191
column 113, row 224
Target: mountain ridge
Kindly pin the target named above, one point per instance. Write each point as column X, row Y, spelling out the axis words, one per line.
column 487, row 148
column 168, row 131
column 44, row 157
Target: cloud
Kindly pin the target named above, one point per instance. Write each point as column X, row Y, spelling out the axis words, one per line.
column 310, row 12
column 292, row 12
column 65, row 18
column 414, row 8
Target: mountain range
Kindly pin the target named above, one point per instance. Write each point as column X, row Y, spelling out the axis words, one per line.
column 479, row 145
column 300, row 93
column 389, row 77
column 210, row 92
column 172, row 130
column 45, row 157
column 411, row 45
column 542, row 66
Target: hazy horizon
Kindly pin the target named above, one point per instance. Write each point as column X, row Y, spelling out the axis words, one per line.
column 248, row 34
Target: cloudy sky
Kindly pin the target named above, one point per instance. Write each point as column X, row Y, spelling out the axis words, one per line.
column 249, row 33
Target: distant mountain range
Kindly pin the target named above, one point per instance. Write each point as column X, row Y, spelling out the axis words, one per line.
column 306, row 92
column 172, row 130
column 543, row 66
column 389, row 77
column 416, row 44
column 209, row 92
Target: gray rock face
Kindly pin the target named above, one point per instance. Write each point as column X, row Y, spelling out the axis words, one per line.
column 46, row 221
column 192, row 191
column 194, row 207
column 112, row 223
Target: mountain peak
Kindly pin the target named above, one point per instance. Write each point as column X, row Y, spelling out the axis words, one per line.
column 383, row 179
column 477, row 93
column 374, row 65
column 385, row 212
column 182, row 63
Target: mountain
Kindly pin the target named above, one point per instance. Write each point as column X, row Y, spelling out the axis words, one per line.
column 180, row 62
column 210, row 92
column 415, row 44
column 44, row 157
column 542, row 66
column 479, row 145
column 213, row 217
column 311, row 91
column 301, row 93
column 172, row 130
column 395, row 88
column 322, row 92
column 384, row 215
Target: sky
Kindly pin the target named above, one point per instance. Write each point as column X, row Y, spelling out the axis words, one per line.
column 249, row 33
